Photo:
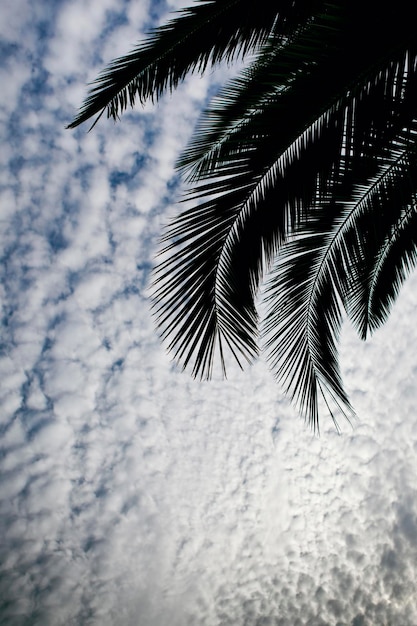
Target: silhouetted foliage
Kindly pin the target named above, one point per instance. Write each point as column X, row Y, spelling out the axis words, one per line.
column 304, row 165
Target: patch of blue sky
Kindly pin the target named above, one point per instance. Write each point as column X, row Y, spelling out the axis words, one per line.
column 128, row 178
column 56, row 239
column 36, row 421
column 37, row 89
column 156, row 8
column 8, row 49
column 83, row 177
column 16, row 164
column 117, row 365
column 114, row 19
column 44, row 28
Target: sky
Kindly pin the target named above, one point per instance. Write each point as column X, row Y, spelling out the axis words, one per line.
column 130, row 493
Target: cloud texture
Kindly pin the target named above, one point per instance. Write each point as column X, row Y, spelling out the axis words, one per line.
column 129, row 493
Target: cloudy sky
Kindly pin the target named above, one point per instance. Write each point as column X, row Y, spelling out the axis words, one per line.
column 131, row 494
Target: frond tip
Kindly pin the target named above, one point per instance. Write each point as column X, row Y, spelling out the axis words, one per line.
column 303, row 321
column 203, row 35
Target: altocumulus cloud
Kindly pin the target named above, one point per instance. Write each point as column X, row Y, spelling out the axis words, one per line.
column 129, row 493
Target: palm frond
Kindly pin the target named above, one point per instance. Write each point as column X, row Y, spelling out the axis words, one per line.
column 380, row 181
column 307, row 161
column 304, row 316
column 204, row 35
column 344, row 265
column 395, row 263
column 219, row 250
column 296, row 80
column 349, row 257
column 382, row 236
column 261, row 189
column 251, row 106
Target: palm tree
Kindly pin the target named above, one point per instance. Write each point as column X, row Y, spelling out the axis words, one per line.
column 304, row 166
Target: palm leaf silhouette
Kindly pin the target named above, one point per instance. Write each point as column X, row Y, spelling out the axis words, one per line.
column 305, row 162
